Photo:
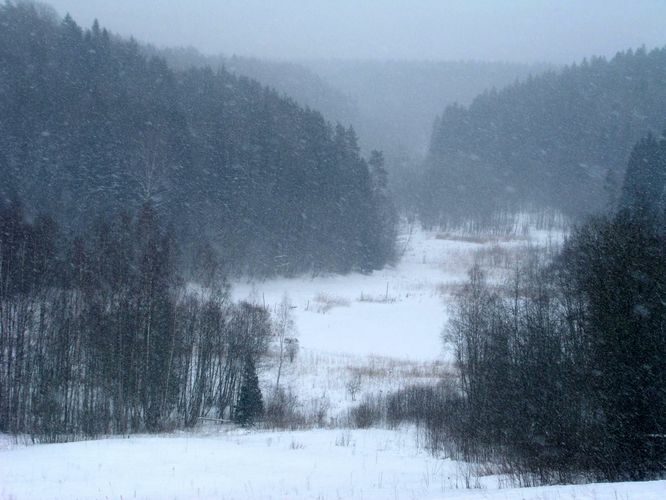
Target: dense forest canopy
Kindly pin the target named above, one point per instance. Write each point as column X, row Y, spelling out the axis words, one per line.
column 293, row 79
column 398, row 100
column 91, row 126
column 391, row 104
column 559, row 140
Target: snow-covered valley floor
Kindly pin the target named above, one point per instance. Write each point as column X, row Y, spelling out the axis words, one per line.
column 382, row 329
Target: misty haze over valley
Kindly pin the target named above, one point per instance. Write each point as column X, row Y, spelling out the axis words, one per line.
column 310, row 249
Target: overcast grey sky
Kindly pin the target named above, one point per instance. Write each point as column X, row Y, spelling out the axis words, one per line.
column 505, row 30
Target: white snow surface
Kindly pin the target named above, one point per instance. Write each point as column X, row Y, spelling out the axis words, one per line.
column 347, row 326
column 397, row 312
column 319, row 464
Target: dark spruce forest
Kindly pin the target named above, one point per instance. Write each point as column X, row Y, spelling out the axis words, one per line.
column 559, row 140
column 91, row 127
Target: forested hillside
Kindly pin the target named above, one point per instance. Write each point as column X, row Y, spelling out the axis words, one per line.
column 90, row 126
column 99, row 334
column 559, row 140
column 399, row 100
column 562, row 365
column 391, row 104
column 292, row 79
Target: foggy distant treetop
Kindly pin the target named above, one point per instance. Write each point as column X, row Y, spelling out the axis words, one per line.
column 510, row 30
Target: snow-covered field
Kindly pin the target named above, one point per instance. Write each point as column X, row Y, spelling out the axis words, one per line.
column 318, row 464
column 398, row 311
column 394, row 312
column 382, row 329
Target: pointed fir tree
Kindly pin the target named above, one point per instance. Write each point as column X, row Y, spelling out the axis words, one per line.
column 250, row 405
column 644, row 190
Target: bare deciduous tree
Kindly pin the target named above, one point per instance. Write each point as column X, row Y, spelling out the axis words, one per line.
column 283, row 329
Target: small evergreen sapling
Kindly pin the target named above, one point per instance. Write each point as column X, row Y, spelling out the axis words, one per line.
column 250, row 406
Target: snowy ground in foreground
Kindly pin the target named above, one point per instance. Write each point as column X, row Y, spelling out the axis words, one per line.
column 320, row 464
column 390, row 343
